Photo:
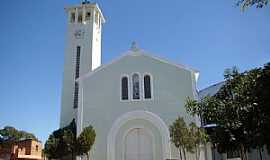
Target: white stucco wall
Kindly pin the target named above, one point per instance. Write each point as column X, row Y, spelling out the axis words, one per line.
column 100, row 96
column 89, row 41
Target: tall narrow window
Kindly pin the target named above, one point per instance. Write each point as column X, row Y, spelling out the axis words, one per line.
column 76, row 95
column 135, row 86
column 80, row 18
column 147, row 87
column 124, row 88
column 72, row 17
column 77, row 74
column 77, row 71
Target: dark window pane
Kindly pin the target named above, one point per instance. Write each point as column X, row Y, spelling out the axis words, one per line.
column 88, row 15
column 72, row 18
column 80, row 18
column 77, row 74
column 77, row 69
column 136, row 86
column 147, row 87
column 76, row 96
column 124, row 88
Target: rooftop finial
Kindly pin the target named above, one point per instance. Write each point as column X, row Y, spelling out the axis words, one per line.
column 134, row 46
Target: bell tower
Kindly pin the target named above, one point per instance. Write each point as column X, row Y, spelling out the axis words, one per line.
column 82, row 53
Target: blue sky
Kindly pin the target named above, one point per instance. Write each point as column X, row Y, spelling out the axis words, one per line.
column 207, row 35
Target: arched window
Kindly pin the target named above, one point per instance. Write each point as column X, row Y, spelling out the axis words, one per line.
column 124, row 88
column 147, row 87
column 135, row 86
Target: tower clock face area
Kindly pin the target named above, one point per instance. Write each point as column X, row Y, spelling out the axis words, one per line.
column 79, row 34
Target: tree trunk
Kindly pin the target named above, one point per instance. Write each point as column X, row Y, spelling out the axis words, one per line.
column 87, row 156
column 214, row 154
column 184, row 151
column 72, row 154
column 243, row 153
column 197, row 152
column 260, row 152
column 180, row 154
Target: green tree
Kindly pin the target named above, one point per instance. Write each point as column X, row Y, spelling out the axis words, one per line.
column 261, row 136
column 69, row 139
column 197, row 138
column 12, row 135
column 61, row 143
column 187, row 138
column 52, row 147
column 85, row 141
column 240, row 109
column 248, row 3
column 178, row 134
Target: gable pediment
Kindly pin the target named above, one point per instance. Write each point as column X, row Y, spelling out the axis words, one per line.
column 134, row 57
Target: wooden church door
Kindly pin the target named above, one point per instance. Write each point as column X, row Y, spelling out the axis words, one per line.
column 138, row 145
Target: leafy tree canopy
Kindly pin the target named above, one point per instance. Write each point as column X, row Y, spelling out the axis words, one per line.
column 11, row 133
column 63, row 143
column 248, row 3
column 85, row 141
column 240, row 109
column 187, row 138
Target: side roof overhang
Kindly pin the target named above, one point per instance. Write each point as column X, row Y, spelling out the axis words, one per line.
column 211, row 90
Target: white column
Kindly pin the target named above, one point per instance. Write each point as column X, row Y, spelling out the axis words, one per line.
column 80, row 114
column 80, row 110
column 83, row 15
column 76, row 15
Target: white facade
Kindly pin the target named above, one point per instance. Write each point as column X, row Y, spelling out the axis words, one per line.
column 100, row 104
column 84, row 26
column 130, row 101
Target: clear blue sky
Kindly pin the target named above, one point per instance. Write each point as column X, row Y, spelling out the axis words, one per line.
column 207, row 35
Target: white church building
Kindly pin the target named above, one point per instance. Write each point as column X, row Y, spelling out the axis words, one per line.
column 130, row 101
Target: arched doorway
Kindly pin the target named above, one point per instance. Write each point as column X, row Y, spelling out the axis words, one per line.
column 139, row 145
column 117, row 131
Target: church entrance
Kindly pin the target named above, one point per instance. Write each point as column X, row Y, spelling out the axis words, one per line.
column 138, row 135
column 138, row 145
